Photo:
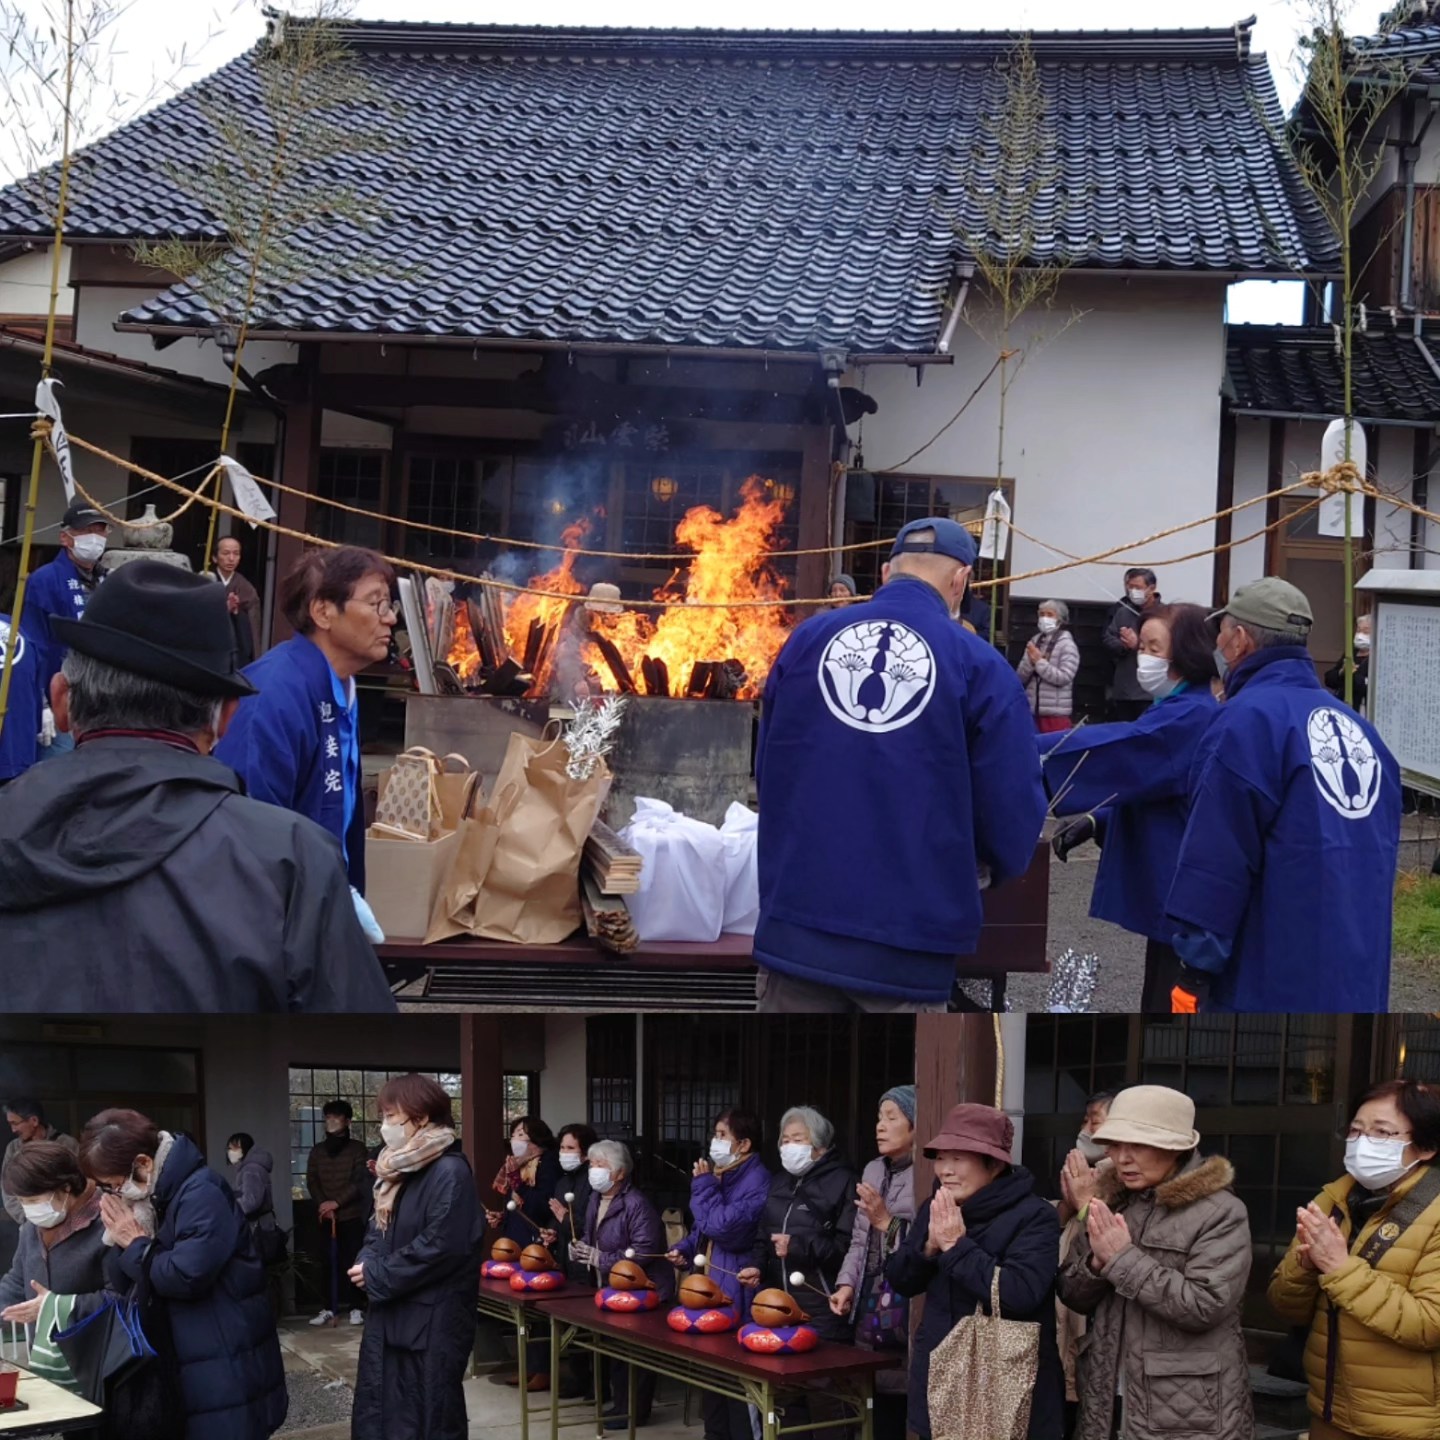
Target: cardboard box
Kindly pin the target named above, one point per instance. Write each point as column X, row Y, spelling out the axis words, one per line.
column 402, row 879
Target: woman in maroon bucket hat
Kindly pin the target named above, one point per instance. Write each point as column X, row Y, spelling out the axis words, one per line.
column 984, row 1212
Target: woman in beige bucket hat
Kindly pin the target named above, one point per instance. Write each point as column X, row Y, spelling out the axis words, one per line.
column 1160, row 1267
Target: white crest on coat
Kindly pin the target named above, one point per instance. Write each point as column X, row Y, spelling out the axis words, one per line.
column 5, row 640
column 877, row 675
column 1343, row 761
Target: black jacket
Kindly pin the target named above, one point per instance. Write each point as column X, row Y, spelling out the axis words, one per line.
column 534, row 1200
column 1125, row 683
column 420, row 1275
column 1335, row 679
column 1007, row 1224
column 136, row 876
column 817, row 1211
column 206, row 1271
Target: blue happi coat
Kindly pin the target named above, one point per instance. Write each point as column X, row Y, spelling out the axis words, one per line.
column 19, row 746
column 60, row 588
column 295, row 744
column 1288, row 860
column 896, row 756
column 1136, row 780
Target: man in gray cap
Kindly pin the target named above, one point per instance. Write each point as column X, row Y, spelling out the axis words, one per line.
column 1285, row 878
column 135, row 874
column 896, row 766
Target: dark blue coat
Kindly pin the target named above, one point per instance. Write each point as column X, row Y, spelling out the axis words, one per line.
column 205, row 1269
column 1289, row 855
column 534, row 1200
column 19, row 748
column 1009, row 1225
column 896, row 756
column 727, row 1205
column 420, row 1274
column 287, row 744
column 1136, row 780
column 61, row 588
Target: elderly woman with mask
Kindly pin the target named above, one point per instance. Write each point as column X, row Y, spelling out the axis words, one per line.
column 620, row 1223
column 984, row 1216
column 1160, row 1269
column 61, row 1254
column 727, row 1197
column 1363, row 1273
column 1048, row 669
column 418, row 1266
column 178, row 1234
column 885, row 1206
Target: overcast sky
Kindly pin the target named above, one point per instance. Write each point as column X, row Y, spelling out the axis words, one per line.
column 149, row 39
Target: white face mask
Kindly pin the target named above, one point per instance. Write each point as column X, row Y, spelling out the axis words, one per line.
column 797, row 1158
column 519, row 1148
column 1377, row 1164
column 1362, row 640
column 1153, row 673
column 571, row 1160
column 393, row 1135
column 1048, row 623
column 722, row 1153
column 601, row 1181
column 44, row 1216
column 1091, row 1149
column 235, row 1156
column 89, row 548
column 1137, row 596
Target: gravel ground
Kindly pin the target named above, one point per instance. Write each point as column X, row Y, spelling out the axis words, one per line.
column 313, row 1403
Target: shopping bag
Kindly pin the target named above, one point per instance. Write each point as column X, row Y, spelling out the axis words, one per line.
column 543, row 815
column 982, row 1376
column 409, row 805
column 682, row 881
column 740, row 834
column 453, row 911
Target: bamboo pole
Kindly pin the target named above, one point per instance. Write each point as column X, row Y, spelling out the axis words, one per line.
column 37, row 455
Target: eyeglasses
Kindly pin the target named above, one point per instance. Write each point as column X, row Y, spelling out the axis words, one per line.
column 1357, row 1132
column 385, row 609
column 105, row 1189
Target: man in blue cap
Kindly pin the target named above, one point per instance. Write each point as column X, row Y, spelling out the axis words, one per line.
column 897, row 771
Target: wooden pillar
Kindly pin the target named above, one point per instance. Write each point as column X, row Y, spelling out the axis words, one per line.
column 1274, row 479
column 955, row 1063
column 482, row 1083
column 1224, row 499
column 299, row 467
column 812, row 571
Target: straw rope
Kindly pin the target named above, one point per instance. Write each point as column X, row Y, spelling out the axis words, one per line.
column 1343, row 476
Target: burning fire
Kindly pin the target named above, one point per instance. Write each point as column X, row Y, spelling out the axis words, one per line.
column 730, row 565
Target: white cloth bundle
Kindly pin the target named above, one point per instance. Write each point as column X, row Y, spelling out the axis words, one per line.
column 682, row 883
column 741, row 834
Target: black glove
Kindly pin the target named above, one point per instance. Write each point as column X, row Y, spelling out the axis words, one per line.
column 1067, row 837
column 1191, row 992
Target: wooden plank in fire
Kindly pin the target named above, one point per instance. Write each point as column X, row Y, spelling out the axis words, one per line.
column 702, row 679
column 506, row 679
column 618, row 668
column 481, row 634
column 656, row 675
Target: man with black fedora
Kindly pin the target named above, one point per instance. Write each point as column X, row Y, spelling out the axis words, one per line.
column 135, row 874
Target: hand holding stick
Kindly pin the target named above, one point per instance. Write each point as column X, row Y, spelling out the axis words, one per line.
column 514, row 1207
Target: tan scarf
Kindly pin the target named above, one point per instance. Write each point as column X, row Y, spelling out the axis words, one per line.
column 423, row 1148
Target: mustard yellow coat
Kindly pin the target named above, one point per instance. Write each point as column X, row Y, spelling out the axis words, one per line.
column 1387, row 1373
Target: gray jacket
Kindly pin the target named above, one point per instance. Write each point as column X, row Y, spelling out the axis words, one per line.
column 72, row 1266
column 252, row 1183
column 12, row 1205
column 1050, row 681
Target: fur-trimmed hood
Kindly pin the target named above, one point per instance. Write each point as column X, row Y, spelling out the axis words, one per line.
column 1200, row 1179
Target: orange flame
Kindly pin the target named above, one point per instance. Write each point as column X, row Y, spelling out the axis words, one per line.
column 523, row 610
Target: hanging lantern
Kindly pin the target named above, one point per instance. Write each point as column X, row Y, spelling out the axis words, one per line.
column 664, row 489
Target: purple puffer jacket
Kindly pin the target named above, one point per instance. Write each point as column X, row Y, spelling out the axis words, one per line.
column 727, row 1210
column 631, row 1223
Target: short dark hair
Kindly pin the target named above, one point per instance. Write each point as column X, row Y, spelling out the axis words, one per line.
column 539, row 1132
column 1192, row 642
column 582, row 1133
column 342, row 1108
column 240, row 1138
column 26, row 1109
column 43, row 1168
column 114, row 1140
column 1148, row 576
column 327, row 575
column 1101, row 1097
column 419, row 1097
column 1418, row 1102
column 743, row 1125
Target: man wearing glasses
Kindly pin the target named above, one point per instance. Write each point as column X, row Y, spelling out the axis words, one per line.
column 297, row 743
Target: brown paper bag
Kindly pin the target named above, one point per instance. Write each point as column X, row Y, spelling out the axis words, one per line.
column 403, row 879
column 528, row 891
column 450, row 775
column 453, row 910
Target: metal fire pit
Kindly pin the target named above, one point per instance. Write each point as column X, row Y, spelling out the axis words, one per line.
column 693, row 754
column 475, row 726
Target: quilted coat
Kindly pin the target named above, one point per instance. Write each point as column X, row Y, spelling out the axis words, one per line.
column 1387, row 1372
column 1165, row 1312
column 1049, row 682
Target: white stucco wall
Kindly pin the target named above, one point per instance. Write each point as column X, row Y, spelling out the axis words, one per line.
column 25, row 284
column 1112, row 430
column 565, row 1080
